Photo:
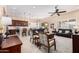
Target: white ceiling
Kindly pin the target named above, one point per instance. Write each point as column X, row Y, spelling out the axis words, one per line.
column 36, row 11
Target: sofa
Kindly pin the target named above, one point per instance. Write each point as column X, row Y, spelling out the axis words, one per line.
column 64, row 32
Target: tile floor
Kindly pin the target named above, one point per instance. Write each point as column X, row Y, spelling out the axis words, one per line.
column 63, row 45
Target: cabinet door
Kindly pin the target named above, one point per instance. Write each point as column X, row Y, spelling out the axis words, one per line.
column 75, row 43
column 19, row 23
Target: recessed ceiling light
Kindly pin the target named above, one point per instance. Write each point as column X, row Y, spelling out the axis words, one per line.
column 34, row 7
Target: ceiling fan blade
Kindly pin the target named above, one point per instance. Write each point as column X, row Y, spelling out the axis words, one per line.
column 58, row 14
column 52, row 14
column 61, row 11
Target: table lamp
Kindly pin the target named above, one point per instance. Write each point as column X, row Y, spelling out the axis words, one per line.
column 6, row 21
column 1, row 28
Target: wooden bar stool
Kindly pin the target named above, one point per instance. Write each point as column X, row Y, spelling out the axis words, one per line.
column 36, row 39
column 24, row 32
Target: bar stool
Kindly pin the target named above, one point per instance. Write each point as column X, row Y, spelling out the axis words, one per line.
column 36, row 39
column 24, row 32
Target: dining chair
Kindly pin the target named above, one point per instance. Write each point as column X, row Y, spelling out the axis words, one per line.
column 49, row 41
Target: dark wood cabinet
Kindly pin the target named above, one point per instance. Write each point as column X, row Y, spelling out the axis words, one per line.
column 75, row 43
column 19, row 23
column 11, row 45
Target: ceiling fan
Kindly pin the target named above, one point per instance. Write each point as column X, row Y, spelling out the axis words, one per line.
column 57, row 11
